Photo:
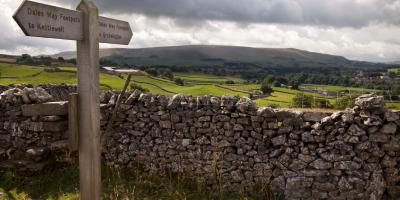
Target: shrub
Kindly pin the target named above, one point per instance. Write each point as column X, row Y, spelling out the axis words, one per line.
column 266, row 88
column 72, row 60
column 229, row 82
column 152, row 72
column 251, row 96
column 25, row 59
column 302, row 101
column 295, row 84
column 273, row 105
column 138, row 87
column 180, row 81
column 166, row 73
column 345, row 102
column 276, row 84
column 321, row 103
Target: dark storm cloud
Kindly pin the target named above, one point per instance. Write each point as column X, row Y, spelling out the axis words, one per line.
column 357, row 29
column 338, row 13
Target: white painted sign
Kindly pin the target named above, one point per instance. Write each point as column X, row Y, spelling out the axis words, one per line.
column 114, row 31
column 41, row 20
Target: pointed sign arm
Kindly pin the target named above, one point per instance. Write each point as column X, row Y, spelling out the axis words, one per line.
column 41, row 20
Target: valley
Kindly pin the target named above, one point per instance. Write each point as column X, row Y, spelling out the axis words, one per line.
column 196, row 84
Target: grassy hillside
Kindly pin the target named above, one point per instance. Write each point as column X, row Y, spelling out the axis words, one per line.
column 195, row 84
column 222, row 56
column 334, row 88
column 197, row 78
column 394, row 70
column 17, row 74
column 7, row 58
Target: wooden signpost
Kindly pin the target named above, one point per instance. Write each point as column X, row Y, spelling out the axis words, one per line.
column 88, row 29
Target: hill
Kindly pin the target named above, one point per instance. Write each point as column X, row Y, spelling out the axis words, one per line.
column 223, row 56
column 7, row 58
column 394, row 63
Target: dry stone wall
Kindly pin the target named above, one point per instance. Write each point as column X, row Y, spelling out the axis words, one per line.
column 30, row 127
column 231, row 144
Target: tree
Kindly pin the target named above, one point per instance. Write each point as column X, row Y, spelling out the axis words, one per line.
column 72, row 61
column 270, row 79
column 302, row 101
column 392, row 74
column 180, row 81
column 321, row 103
column 152, row 72
column 45, row 60
column 395, row 92
column 61, row 59
column 396, row 89
column 266, row 88
column 276, row 81
column 108, row 62
column 166, row 73
column 229, row 82
column 295, row 84
column 281, row 80
column 276, row 84
column 25, row 59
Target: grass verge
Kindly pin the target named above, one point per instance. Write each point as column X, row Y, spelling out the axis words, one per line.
column 62, row 183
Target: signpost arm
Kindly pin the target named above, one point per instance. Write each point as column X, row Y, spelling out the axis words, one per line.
column 89, row 103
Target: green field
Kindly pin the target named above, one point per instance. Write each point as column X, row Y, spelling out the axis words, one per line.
column 18, row 74
column 195, row 84
column 7, row 58
column 335, row 88
column 13, row 70
column 394, row 70
column 196, row 78
column 281, row 96
column 68, row 68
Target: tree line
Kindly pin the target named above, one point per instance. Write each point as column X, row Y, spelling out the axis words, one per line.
column 26, row 59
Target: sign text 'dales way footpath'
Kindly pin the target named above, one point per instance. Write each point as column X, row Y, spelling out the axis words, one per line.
column 41, row 20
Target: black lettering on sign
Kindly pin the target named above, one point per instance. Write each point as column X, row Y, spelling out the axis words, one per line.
column 123, row 28
column 104, row 25
column 111, row 36
column 31, row 26
column 111, row 26
column 69, row 18
column 47, row 27
column 35, row 12
column 51, row 15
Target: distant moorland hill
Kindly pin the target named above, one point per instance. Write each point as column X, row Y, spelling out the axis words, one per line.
column 223, row 56
column 394, row 63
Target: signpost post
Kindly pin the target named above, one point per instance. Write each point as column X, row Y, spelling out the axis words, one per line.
column 88, row 29
column 89, row 103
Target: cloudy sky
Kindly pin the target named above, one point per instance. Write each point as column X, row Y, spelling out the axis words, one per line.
column 357, row 29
